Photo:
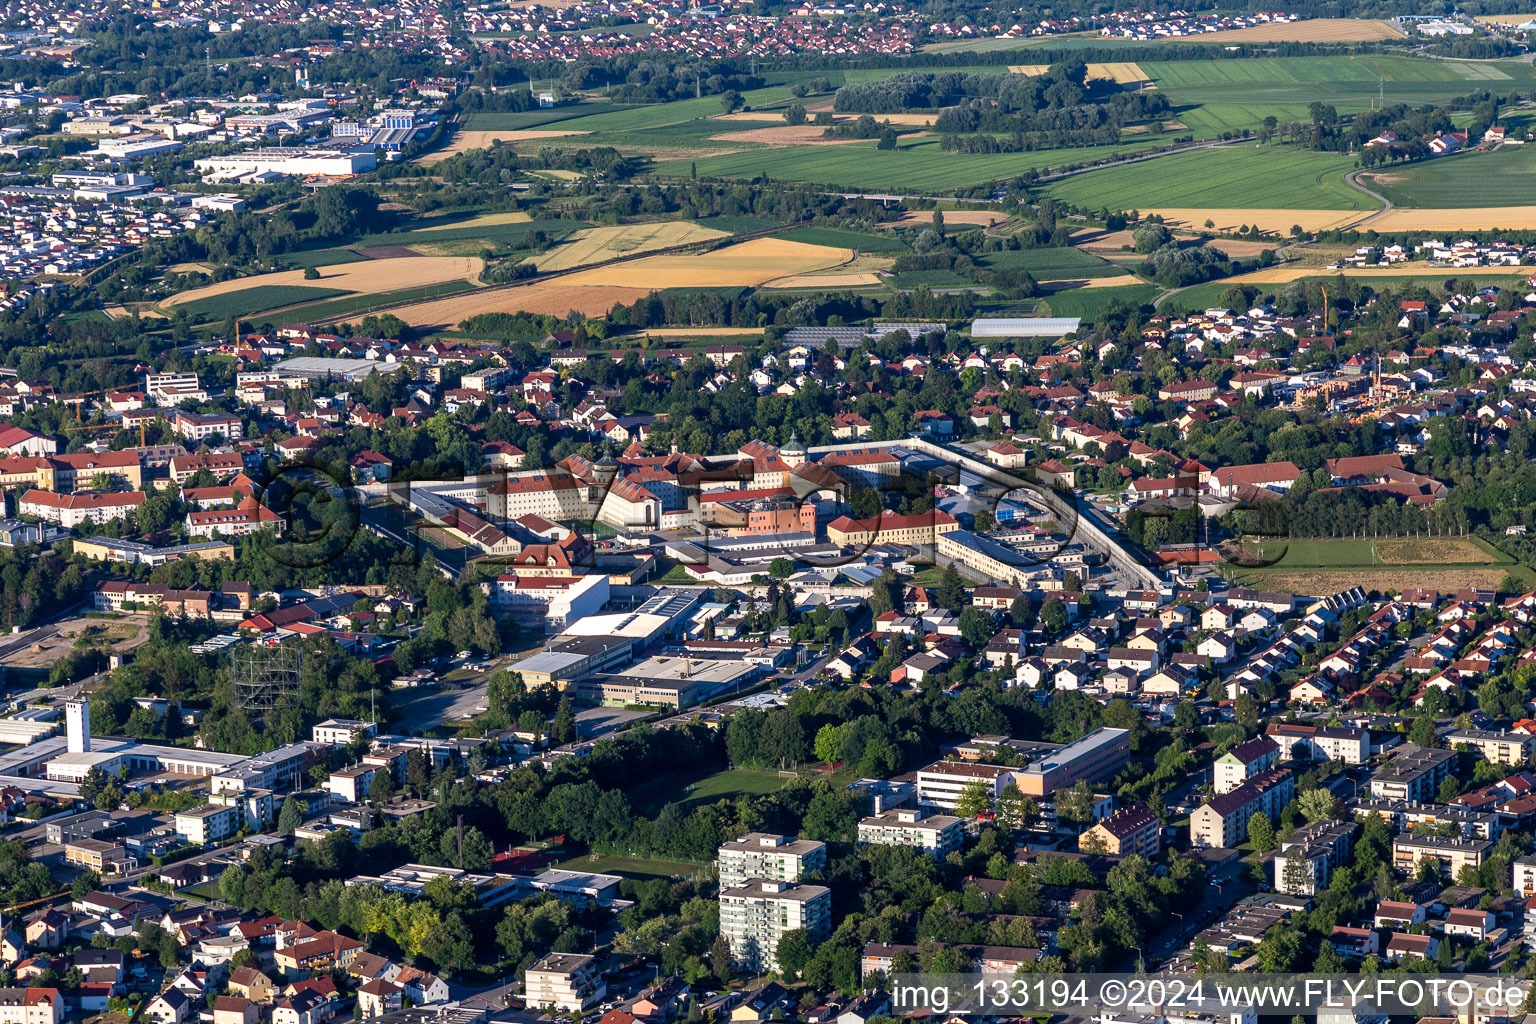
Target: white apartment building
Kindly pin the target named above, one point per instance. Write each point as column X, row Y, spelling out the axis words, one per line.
column 1243, row 762
column 72, row 510
column 913, row 826
column 208, row 823
column 31, row 1006
column 340, row 731
column 351, row 784
column 764, row 855
column 753, row 917
column 201, row 426
column 569, row 982
column 940, row 784
column 171, row 389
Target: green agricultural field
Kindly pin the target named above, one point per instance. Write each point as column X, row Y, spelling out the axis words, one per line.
column 324, row 312
column 933, row 279
column 1504, row 177
column 845, row 239
column 1052, row 264
column 490, row 121
column 320, row 258
column 737, row 224
column 915, row 164
column 501, row 236
column 1205, row 296
column 255, row 300
column 1212, row 96
column 655, row 115
column 1272, row 177
column 1091, row 303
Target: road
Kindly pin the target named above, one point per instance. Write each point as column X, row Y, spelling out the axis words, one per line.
column 1217, row 144
column 1352, row 181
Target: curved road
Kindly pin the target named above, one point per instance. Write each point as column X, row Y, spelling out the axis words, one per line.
column 1386, row 204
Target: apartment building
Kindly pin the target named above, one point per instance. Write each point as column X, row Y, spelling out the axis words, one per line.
column 1497, row 747
column 940, row 784
column 914, row 826
column 1095, row 757
column 31, row 1006
column 74, row 510
column 1244, row 761
column 889, row 528
column 201, row 426
column 1134, row 829
column 1414, row 774
column 753, row 917
column 1299, row 742
column 768, row 856
column 1306, row 860
column 208, row 823
column 1452, row 854
column 250, row 516
column 1223, row 820
column 569, row 982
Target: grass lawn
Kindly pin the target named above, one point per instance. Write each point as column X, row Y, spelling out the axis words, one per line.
column 655, row 115
column 630, row 867
column 693, row 790
column 1504, row 177
column 1345, row 552
column 255, row 300
column 1272, row 177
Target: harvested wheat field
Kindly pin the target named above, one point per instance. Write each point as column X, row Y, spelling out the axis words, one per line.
column 1278, row 221
column 1505, row 19
column 1099, row 240
column 1285, row 275
column 591, row 292
column 1062, row 284
column 593, row 245
column 369, row 276
column 1312, row 30
column 784, row 135
column 1240, row 249
column 463, row 141
column 738, row 266
column 118, row 311
column 982, row 218
column 555, row 298
column 485, row 220
column 824, row 281
column 1485, row 218
column 1126, row 72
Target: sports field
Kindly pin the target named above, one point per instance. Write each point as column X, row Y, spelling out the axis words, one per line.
column 630, row 867
column 1272, row 177
column 593, row 245
column 1505, row 176
column 690, row 790
column 1326, row 566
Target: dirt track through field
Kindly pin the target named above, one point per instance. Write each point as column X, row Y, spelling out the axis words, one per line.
column 377, row 276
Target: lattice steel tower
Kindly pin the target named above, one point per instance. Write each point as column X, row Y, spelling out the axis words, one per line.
column 265, row 675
